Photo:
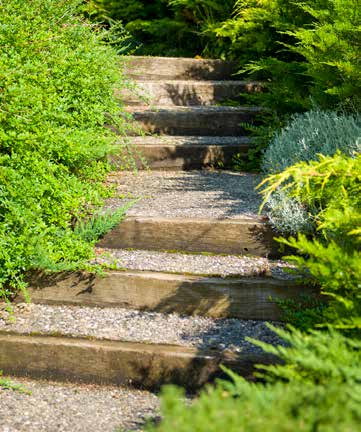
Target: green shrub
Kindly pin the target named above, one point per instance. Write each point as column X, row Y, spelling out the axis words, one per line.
column 57, row 81
column 331, row 189
column 277, row 408
column 312, row 133
column 331, row 49
column 166, row 27
column 317, row 389
column 256, row 29
column 302, row 139
column 301, row 48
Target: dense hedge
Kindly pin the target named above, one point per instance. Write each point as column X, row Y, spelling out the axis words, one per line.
column 57, row 82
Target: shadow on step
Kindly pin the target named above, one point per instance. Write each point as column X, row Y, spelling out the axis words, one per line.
column 222, row 194
column 183, row 96
column 218, row 341
column 216, row 92
column 190, row 155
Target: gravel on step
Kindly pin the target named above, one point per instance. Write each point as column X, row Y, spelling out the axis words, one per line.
column 136, row 326
column 187, row 194
column 173, row 140
column 197, row 109
column 54, row 407
column 207, row 265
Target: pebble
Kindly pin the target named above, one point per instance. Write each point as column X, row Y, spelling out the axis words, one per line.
column 193, row 264
column 54, row 407
column 136, row 326
column 187, row 194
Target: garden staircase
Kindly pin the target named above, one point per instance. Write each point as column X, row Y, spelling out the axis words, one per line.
column 193, row 130
column 174, row 250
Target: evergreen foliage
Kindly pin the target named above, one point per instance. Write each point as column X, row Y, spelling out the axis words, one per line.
column 302, row 139
column 57, row 81
column 301, row 48
column 317, row 389
column 331, row 189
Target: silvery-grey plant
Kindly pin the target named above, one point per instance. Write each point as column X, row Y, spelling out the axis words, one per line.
column 311, row 133
column 287, row 215
column 306, row 136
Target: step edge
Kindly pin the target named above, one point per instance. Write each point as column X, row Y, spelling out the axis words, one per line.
column 213, row 278
column 208, row 109
column 193, row 145
column 210, row 82
column 141, row 366
column 243, row 220
column 125, row 346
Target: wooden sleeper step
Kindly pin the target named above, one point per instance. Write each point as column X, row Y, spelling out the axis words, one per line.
column 233, row 297
column 195, row 120
column 140, row 365
column 185, row 153
column 188, row 93
column 177, row 68
column 231, row 236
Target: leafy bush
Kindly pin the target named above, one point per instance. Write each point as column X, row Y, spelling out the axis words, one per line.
column 57, row 84
column 315, row 357
column 331, row 49
column 318, row 389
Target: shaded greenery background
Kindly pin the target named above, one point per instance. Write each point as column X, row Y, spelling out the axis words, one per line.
column 165, row 27
column 306, row 52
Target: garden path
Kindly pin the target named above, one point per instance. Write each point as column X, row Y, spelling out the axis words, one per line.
column 193, row 267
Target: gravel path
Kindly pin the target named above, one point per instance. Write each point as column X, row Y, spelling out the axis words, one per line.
column 188, row 194
column 53, row 407
column 210, row 265
column 136, row 326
